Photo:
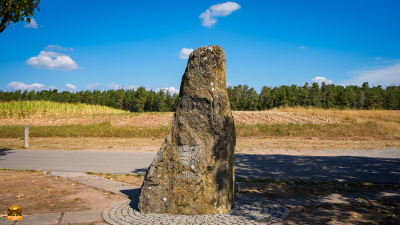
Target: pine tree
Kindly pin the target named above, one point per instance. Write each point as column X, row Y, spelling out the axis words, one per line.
column 119, row 98
column 341, row 98
column 323, row 94
column 265, row 98
column 331, row 96
column 315, row 95
column 391, row 101
column 282, row 95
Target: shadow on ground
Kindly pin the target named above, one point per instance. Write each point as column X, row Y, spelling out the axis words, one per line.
column 141, row 171
column 131, row 193
column 4, row 151
column 315, row 168
column 318, row 168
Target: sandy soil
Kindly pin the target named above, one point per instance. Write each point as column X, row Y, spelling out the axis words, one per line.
column 37, row 193
column 157, row 119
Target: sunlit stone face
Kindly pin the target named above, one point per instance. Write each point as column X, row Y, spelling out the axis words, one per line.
column 193, row 172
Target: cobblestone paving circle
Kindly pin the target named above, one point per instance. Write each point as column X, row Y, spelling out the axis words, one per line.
column 247, row 210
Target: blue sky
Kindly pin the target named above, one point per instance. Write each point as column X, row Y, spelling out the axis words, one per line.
column 78, row 45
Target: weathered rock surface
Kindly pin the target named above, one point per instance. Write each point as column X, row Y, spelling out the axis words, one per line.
column 193, row 172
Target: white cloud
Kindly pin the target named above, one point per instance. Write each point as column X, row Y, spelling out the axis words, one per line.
column 172, row 90
column 13, row 86
column 113, row 85
column 303, row 47
column 129, row 87
column 185, row 52
column 53, row 61
column 228, row 84
column 91, row 86
column 208, row 18
column 319, row 80
column 32, row 24
column 387, row 75
column 71, row 87
column 56, row 47
column 135, row 87
column 71, row 49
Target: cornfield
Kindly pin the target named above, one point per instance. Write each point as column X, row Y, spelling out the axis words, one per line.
column 38, row 109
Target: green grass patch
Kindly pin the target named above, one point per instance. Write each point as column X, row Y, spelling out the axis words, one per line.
column 106, row 129
column 33, row 171
column 370, row 129
column 92, row 130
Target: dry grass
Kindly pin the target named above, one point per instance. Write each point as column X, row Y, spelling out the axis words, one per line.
column 251, row 145
column 85, row 144
column 385, row 121
column 354, row 115
column 299, row 145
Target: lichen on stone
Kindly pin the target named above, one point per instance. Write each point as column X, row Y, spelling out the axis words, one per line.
column 195, row 166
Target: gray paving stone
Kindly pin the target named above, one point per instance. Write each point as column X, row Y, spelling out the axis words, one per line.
column 255, row 211
column 40, row 219
column 82, row 216
column 295, row 202
column 328, row 199
column 4, row 221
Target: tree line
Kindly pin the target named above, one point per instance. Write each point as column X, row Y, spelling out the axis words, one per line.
column 325, row 96
column 242, row 98
column 139, row 100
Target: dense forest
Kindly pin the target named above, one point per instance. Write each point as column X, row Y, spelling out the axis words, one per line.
column 242, row 98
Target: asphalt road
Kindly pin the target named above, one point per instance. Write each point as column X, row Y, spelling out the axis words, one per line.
column 380, row 166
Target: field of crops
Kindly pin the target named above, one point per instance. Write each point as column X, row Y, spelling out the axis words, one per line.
column 49, row 119
column 38, row 109
column 45, row 113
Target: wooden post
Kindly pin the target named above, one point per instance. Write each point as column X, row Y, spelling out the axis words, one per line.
column 26, row 136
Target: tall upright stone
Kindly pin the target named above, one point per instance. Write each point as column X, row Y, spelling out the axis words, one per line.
column 193, row 172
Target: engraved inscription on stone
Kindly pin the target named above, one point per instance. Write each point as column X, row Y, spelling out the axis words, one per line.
column 187, row 175
column 189, row 154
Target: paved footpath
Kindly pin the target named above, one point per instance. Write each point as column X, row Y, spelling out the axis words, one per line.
column 376, row 166
column 247, row 210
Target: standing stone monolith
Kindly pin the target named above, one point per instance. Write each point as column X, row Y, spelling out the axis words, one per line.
column 193, row 172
